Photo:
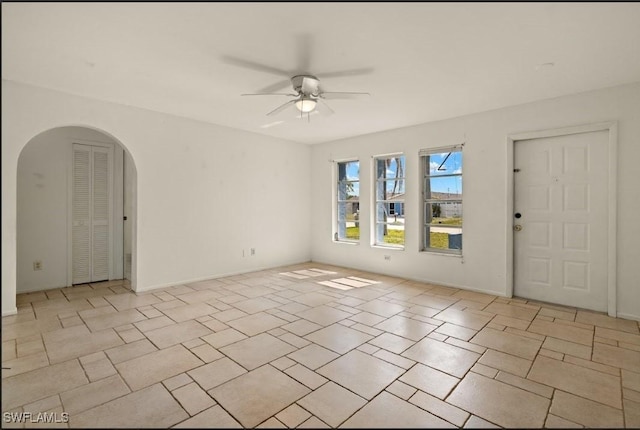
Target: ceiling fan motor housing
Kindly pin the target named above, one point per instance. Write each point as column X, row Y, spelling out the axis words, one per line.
column 306, row 85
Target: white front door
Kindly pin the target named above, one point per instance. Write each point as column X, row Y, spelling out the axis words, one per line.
column 561, row 219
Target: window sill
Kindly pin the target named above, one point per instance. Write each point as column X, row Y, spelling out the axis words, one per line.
column 346, row 242
column 389, row 248
column 441, row 253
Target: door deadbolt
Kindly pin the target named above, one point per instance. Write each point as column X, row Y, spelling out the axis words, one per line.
column 517, row 227
column 518, row 215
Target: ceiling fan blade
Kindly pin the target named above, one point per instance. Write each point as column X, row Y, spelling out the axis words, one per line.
column 352, row 72
column 254, row 66
column 338, row 95
column 277, row 86
column 329, row 111
column 269, row 94
column 281, row 107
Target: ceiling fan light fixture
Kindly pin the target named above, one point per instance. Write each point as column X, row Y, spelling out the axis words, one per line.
column 305, row 105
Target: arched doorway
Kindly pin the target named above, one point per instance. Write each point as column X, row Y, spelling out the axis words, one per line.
column 53, row 238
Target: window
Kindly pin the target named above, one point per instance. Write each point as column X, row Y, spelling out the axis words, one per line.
column 442, row 199
column 389, row 206
column 348, row 201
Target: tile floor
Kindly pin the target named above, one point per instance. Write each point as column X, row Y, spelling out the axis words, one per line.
column 313, row 346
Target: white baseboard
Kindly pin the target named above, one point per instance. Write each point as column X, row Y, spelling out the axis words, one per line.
column 10, row 312
column 629, row 316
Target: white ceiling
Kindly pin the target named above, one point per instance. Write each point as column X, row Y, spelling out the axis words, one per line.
column 423, row 61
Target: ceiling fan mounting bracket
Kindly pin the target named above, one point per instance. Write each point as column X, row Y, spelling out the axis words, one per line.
column 306, row 85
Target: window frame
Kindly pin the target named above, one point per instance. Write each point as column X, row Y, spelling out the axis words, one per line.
column 425, row 176
column 337, row 201
column 377, row 201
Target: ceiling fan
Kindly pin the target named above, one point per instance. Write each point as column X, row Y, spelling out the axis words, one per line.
column 307, row 94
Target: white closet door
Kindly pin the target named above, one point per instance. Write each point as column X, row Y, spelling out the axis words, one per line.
column 100, row 220
column 91, row 213
column 81, row 214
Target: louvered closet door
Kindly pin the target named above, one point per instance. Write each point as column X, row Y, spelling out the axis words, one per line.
column 91, row 213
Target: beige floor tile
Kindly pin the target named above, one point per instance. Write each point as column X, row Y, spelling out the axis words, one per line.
column 566, row 347
column 507, row 342
column 114, row 320
column 509, row 363
column 149, row 407
column 96, row 393
column 511, row 322
column 456, row 331
column 192, row 398
column 462, row 318
column 206, row 353
column 591, row 365
column 462, row 344
column 631, row 380
column 606, row 321
column 579, row 380
column 562, row 331
column 406, row 327
column 617, row 357
column 216, row 373
column 367, row 318
column 554, row 422
column 439, row 408
column 293, row 416
column 423, row 310
column 154, row 323
column 255, row 396
column 392, row 358
column 361, row 373
column 177, row 381
column 128, row 301
column 51, row 308
column 198, row 296
column 97, row 366
column 433, row 302
column 444, row 357
column 302, row 327
column 476, row 297
column 620, row 336
column 214, row 417
column 388, row 411
column 189, row 312
column 305, row 376
column 513, row 311
column 41, row 383
column 257, row 350
column 24, row 364
column 632, row 413
column 338, row 338
column 9, row 350
column 313, row 356
column 314, row 423
column 80, row 345
column 500, row 403
column 224, row 337
column 402, row 390
column 30, row 328
column 323, row 315
column 257, row 304
column 177, row 333
column 157, row 366
column 478, row 423
column 332, row 403
column 257, row 323
column 381, row 308
column 430, row 380
column 294, row 340
column 392, row 342
column 525, row 384
column 130, row 351
column 313, row 299
column 585, row 412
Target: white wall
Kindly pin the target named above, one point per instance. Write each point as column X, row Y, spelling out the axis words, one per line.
column 484, row 264
column 44, row 167
column 204, row 192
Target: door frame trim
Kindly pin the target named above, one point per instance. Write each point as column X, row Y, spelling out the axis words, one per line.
column 612, row 128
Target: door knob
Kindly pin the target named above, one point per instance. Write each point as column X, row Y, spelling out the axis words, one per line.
column 517, row 227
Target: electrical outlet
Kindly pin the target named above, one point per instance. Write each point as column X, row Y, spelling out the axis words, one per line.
column 253, row 251
column 37, row 265
column 387, row 257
